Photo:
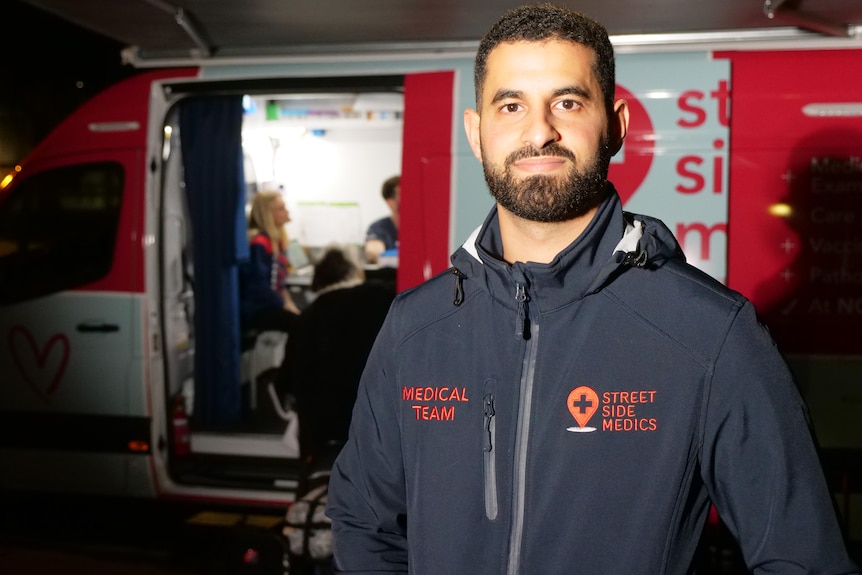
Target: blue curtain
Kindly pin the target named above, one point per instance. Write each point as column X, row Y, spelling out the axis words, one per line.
column 211, row 139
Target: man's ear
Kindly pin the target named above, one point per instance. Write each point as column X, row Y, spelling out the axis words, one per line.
column 618, row 125
column 471, row 127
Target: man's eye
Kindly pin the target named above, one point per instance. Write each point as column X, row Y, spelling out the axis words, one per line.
column 511, row 107
column 568, row 104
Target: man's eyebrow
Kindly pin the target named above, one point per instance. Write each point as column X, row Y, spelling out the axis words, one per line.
column 573, row 91
column 506, row 94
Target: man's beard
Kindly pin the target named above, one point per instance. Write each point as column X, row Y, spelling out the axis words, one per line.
column 542, row 198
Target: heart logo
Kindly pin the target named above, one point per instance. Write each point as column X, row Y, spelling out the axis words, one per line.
column 32, row 362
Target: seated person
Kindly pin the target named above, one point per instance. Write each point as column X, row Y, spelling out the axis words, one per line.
column 382, row 235
column 265, row 302
column 328, row 350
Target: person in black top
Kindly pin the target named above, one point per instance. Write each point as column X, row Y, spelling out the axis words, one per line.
column 326, row 352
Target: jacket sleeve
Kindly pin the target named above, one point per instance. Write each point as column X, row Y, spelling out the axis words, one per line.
column 760, row 460
column 367, row 492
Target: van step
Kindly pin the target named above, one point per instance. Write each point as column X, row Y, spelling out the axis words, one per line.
column 266, row 473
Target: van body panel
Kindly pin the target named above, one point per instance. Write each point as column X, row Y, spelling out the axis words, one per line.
column 66, row 472
column 57, row 344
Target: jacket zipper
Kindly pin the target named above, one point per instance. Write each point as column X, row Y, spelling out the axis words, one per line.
column 522, row 437
column 490, row 457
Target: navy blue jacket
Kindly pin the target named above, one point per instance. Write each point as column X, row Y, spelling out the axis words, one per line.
column 577, row 417
column 261, row 278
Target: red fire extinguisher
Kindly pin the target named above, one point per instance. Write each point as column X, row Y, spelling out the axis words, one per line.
column 181, row 440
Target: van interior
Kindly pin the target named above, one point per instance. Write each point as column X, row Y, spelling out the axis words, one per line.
column 328, row 153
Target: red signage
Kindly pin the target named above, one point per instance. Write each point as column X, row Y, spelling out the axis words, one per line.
column 795, row 222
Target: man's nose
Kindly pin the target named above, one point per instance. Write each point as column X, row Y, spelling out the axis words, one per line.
column 539, row 130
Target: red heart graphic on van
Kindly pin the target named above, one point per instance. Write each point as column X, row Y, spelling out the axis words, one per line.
column 24, row 350
column 630, row 167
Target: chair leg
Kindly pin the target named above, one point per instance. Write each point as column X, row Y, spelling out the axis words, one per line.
column 272, row 345
column 252, row 382
column 276, row 402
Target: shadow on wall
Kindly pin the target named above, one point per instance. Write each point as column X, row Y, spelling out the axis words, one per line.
column 815, row 300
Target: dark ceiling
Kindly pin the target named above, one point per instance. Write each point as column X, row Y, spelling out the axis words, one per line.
column 178, row 29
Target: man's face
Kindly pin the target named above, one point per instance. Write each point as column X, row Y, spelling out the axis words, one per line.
column 542, row 133
column 393, row 201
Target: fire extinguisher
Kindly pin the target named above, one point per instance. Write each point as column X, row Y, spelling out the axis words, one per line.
column 181, row 440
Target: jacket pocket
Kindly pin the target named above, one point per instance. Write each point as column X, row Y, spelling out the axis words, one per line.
column 489, row 453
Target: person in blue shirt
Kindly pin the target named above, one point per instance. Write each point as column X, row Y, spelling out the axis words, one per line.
column 382, row 234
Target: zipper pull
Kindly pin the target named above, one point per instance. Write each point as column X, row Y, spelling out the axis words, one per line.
column 488, row 408
column 521, row 321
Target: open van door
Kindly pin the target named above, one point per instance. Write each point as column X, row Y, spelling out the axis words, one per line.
column 242, row 453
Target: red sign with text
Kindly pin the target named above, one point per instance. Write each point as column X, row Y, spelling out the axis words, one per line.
column 795, row 220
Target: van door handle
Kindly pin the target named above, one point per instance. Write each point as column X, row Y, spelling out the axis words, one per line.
column 97, row 327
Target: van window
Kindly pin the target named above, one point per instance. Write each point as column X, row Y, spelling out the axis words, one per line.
column 58, row 230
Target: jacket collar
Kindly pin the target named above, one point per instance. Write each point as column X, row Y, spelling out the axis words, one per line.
column 613, row 242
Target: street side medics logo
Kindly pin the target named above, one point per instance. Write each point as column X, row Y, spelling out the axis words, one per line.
column 618, row 410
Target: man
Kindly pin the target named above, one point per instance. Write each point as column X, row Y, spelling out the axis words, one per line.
column 382, row 234
column 588, row 394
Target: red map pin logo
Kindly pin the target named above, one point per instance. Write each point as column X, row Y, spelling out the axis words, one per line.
column 582, row 403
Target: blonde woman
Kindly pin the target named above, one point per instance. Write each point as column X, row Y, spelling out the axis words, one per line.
column 265, row 303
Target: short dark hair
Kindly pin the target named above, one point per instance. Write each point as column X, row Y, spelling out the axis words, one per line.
column 389, row 187
column 540, row 22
